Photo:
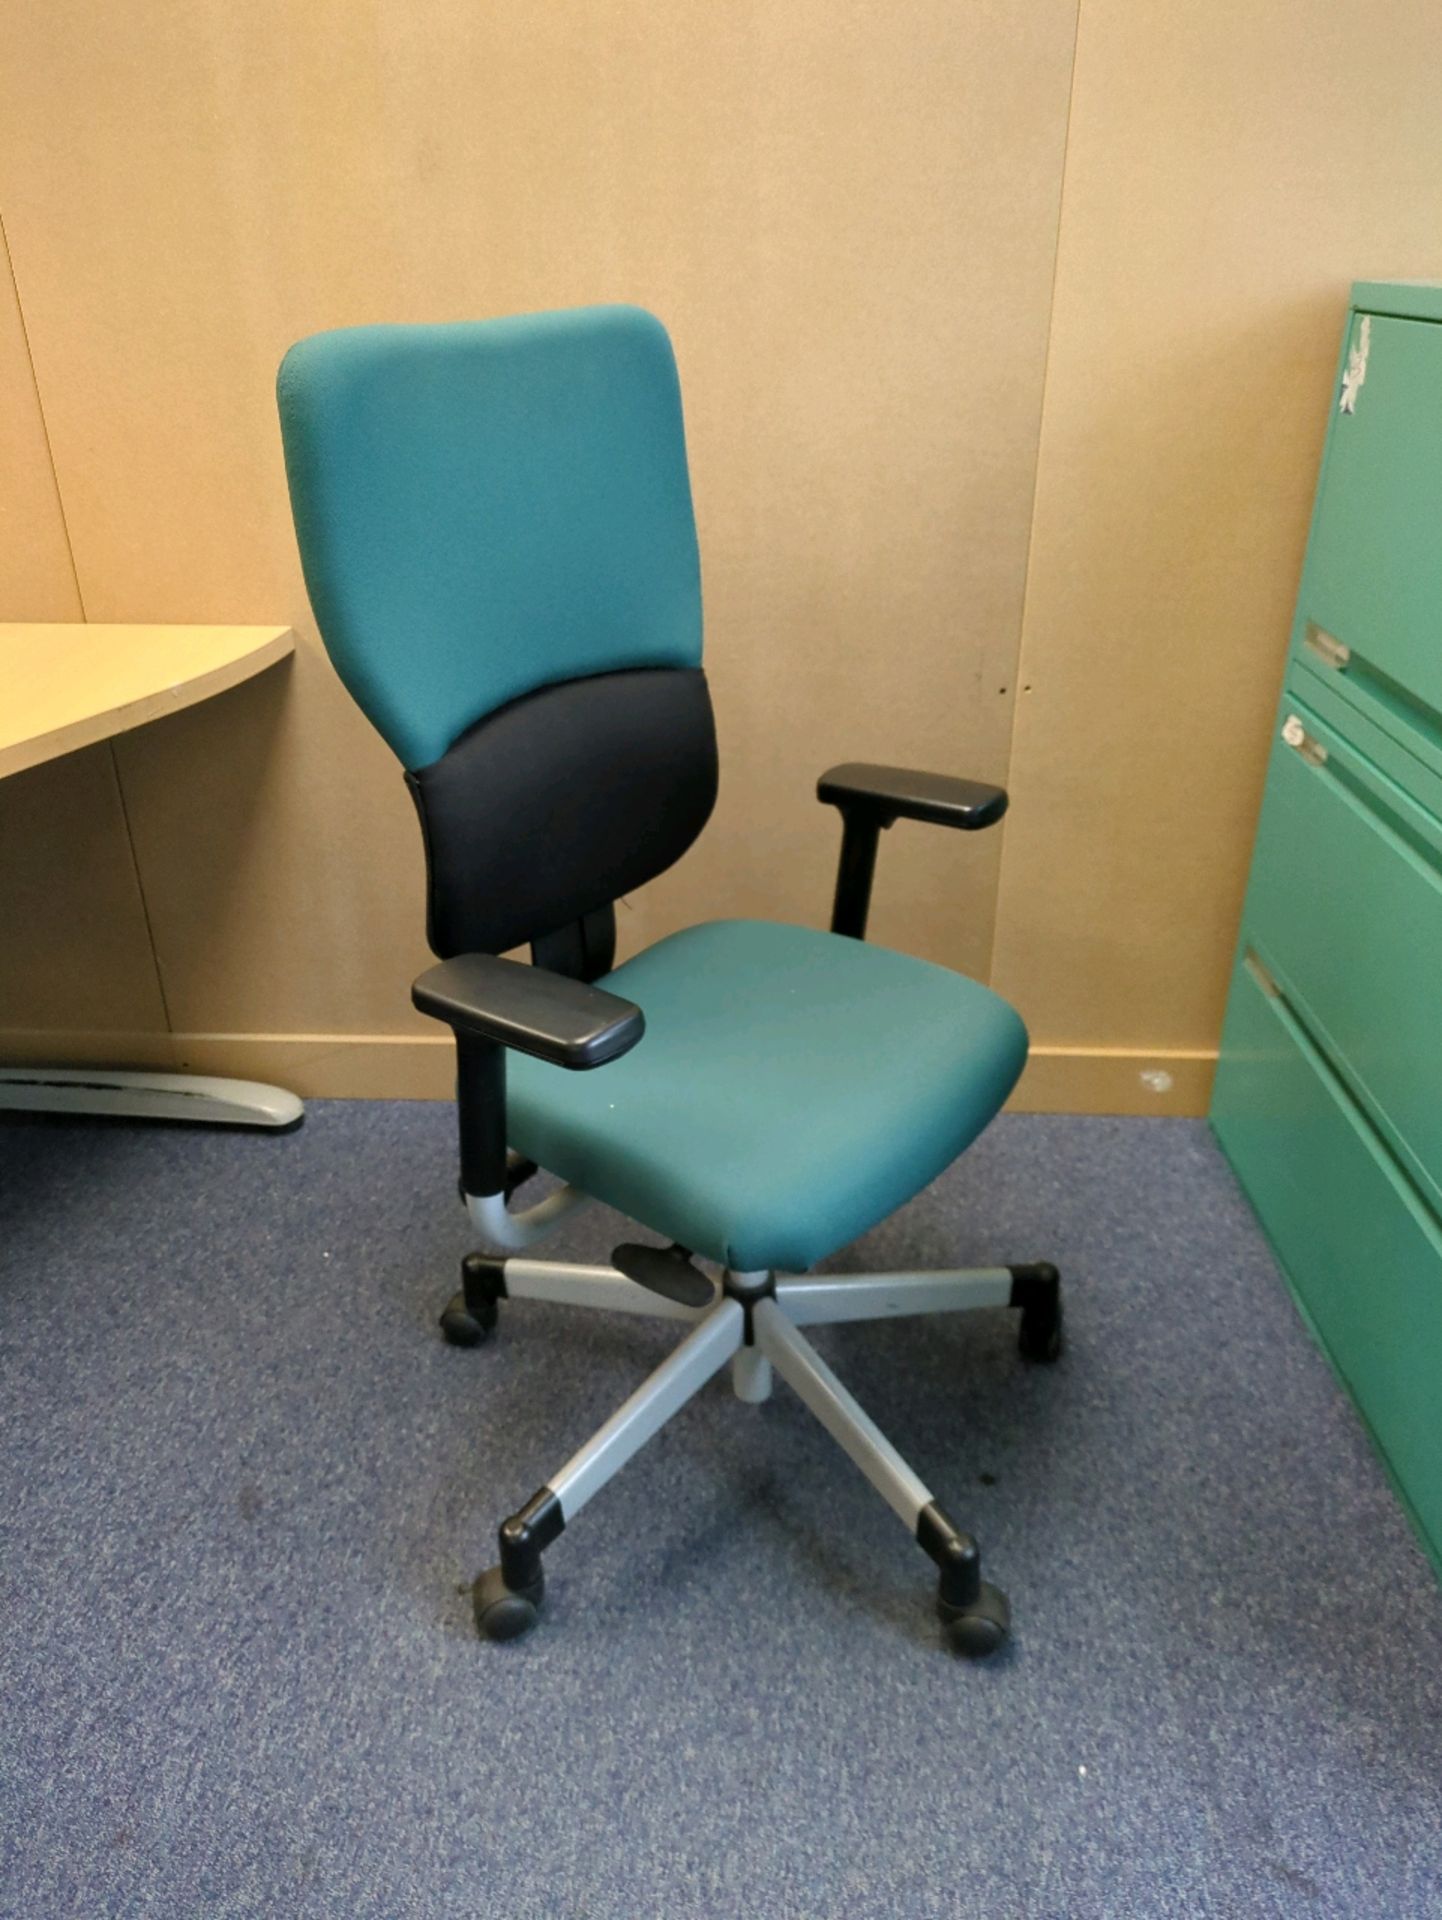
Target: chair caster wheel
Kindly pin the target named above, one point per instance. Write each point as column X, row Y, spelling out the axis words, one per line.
column 502, row 1612
column 1037, row 1291
column 470, row 1315
column 461, row 1327
column 982, row 1627
column 1041, row 1338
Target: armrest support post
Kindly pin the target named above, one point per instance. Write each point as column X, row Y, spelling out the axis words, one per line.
column 860, row 835
column 481, row 1111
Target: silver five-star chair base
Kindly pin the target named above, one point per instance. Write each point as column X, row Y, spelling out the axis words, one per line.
column 753, row 1323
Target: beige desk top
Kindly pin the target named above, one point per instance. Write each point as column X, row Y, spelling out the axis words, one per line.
column 66, row 686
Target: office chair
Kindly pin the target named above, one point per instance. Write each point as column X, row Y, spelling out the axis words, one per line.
column 495, row 524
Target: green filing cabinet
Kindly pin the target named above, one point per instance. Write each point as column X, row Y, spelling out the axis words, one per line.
column 1328, row 1098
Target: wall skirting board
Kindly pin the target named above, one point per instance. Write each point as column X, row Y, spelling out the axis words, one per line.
column 384, row 1066
column 1167, row 1082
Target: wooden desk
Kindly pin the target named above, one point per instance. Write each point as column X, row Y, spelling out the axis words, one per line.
column 69, row 686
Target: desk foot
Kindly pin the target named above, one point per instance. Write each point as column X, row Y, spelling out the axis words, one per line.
column 148, row 1096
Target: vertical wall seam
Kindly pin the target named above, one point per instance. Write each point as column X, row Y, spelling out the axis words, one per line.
column 44, row 423
column 140, row 888
column 84, row 615
column 1020, row 679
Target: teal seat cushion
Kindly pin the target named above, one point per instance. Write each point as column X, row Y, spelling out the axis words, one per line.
column 792, row 1088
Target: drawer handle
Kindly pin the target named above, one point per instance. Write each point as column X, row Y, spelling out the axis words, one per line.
column 1307, row 744
column 1331, row 651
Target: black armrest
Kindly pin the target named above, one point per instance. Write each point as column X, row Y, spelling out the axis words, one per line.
column 874, row 798
column 494, row 1004
column 900, row 793
column 564, row 1021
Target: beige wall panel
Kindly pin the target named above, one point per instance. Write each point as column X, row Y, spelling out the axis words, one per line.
column 1230, row 169
column 74, row 951
column 848, row 221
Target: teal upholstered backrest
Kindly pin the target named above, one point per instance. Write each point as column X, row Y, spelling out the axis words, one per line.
column 487, row 507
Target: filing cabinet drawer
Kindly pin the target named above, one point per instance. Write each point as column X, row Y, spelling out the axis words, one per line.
column 1345, row 908
column 1361, row 1249
column 1372, row 584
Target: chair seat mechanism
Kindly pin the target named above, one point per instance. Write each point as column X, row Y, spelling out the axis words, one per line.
column 665, row 1270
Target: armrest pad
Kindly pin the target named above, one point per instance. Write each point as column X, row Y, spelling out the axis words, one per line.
column 564, row 1021
column 899, row 793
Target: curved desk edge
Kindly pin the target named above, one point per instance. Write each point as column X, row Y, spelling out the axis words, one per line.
column 71, row 685
column 78, row 684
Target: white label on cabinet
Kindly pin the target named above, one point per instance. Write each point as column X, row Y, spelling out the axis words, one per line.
column 1297, row 737
column 1356, row 373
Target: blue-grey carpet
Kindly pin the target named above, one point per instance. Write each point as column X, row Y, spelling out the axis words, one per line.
column 245, row 1485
